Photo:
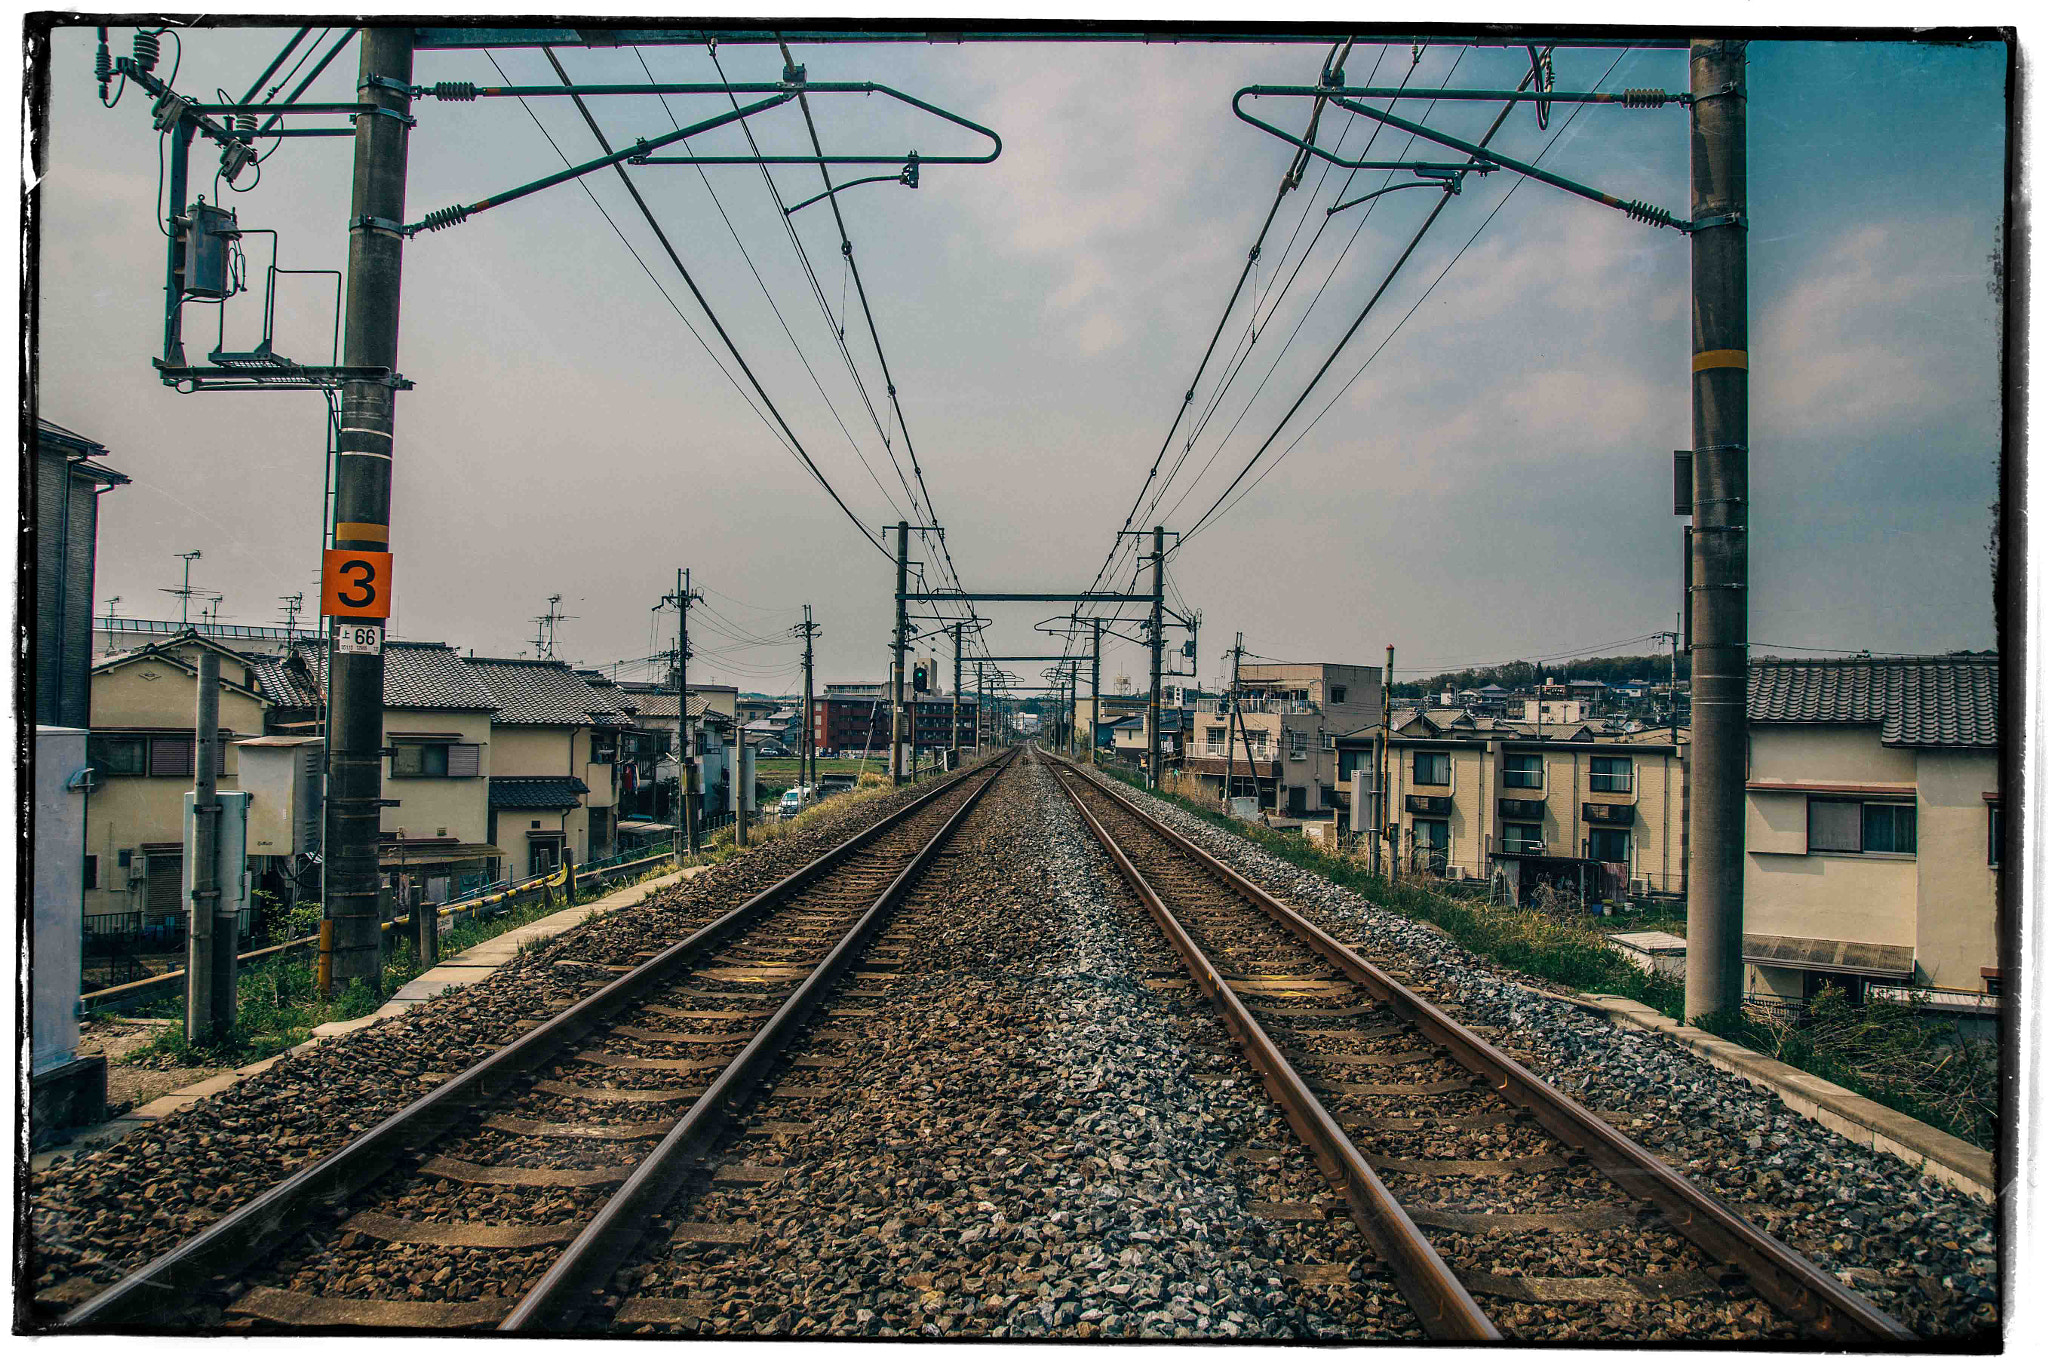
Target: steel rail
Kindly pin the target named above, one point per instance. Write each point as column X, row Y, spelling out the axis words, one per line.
column 565, row 1292
column 227, row 1246
column 1787, row 1280
column 1445, row 1307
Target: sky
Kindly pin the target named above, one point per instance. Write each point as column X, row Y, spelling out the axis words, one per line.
column 1493, row 484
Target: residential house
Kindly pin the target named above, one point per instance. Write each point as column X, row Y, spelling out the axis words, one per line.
column 118, row 634
column 439, row 758
column 141, row 749
column 1477, row 798
column 1288, row 719
column 69, row 480
column 1875, row 828
column 554, row 784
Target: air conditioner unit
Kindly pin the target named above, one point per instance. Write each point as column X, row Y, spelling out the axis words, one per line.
column 1638, row 886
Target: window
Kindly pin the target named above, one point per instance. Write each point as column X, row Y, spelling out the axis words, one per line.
column 604, row 748
column 1861, row 827
column 118, row 755
column 1522, row 770
column 1607, row 845
column 92, row 871
column 1997, row 849
column 1612, row 774
column 435, row 760
column 1521, row 838
column 1890, row 829
column 1215, row 735
column 1337, row 696
column 1432, row 770
column 1348, row 761
column 1433, row 844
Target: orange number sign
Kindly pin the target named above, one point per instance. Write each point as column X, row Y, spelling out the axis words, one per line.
column 356, row 584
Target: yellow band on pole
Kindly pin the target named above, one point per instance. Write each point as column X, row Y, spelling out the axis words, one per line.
column 362, row 530
column 1720, row 360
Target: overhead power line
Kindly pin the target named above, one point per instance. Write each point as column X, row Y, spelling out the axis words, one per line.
column 661, row 236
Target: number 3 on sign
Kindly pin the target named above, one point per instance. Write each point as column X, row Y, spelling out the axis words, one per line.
column 356, row 584
column 353, row 637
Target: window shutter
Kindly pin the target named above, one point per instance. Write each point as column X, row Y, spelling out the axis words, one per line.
column 1834, row 826
column 170, row 757
column 465, row 760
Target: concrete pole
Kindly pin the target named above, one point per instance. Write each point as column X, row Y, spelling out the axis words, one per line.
column 953, row 735
column 807, row 762
column 1720, row 539
column 1158, row 640
column 896, row 707
column 686, row 734
column 741, row 776
column 362, row 500
column 1094, row 688
column 1389, row 833
column 206, row 1014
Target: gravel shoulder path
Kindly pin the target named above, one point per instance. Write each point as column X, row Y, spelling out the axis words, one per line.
column 1923, row 1252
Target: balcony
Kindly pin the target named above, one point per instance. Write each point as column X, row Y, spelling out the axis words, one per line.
column 1263, row 706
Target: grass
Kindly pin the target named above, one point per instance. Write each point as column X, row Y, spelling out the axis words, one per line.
column 1891, row 1052
column 777, row 775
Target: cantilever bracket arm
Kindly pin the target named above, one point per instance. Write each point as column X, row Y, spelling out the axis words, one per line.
column 1481, row 156
column 906, row 176
column 449, row 217
column 847, row 88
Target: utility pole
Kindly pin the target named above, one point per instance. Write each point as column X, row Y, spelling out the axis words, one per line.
column 1383, row 772
column 1230, row 731
column 362, row 499
column 209, row 983
column 896, row 666
column 953, row 745
column 1720, row 537
column 686, row 737
column 1158, row 641
column 1094, row 685
column 807, row 759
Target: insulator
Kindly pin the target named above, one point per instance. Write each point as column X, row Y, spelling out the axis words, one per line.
column 443, row 218
column 455, row 90
column 147, row 48
column 245, row 124
column 102, row 65
column 1643, row 98
column 1648, row 213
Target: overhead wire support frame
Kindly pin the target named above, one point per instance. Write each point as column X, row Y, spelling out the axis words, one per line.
column 637, row 154
column 1347, row 98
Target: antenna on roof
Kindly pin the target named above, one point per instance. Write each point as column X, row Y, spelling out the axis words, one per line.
column 292, row 606
column 544, row 628
column 186, row 593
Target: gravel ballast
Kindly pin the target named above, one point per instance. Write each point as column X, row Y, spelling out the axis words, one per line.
column 1921, row 1251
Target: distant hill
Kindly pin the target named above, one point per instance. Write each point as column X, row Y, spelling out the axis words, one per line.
column 1521, row 675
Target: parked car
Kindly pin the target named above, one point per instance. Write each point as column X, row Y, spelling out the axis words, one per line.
column 795, row 799
column 773, row 750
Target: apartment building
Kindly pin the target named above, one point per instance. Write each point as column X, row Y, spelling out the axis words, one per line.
column 1478, row 798
column 1875, row 829
column 855, row 718
column 1283, row 748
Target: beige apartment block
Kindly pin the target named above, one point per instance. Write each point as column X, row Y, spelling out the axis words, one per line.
column 1874, row 826
column 1470, row 795
column 1290, row 718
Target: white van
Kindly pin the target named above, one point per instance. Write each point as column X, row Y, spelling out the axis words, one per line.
column 794, row 800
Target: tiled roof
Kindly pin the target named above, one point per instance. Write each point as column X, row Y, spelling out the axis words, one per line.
column 280, row 678
column 1942, row 702
column 417, row 674
column 536, row 793
column 543, row 692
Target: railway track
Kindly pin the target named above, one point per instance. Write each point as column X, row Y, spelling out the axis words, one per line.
column 525, row 1181
column 1542, row 1218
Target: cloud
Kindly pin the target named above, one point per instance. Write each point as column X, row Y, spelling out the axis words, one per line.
column 1852, row 345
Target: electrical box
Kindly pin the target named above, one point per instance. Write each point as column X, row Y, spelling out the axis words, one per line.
column 231, row 868
column 281, row 775
column 1681, row 483
column 209, row 244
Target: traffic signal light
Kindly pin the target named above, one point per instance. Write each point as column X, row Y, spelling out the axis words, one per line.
column 920, row 679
